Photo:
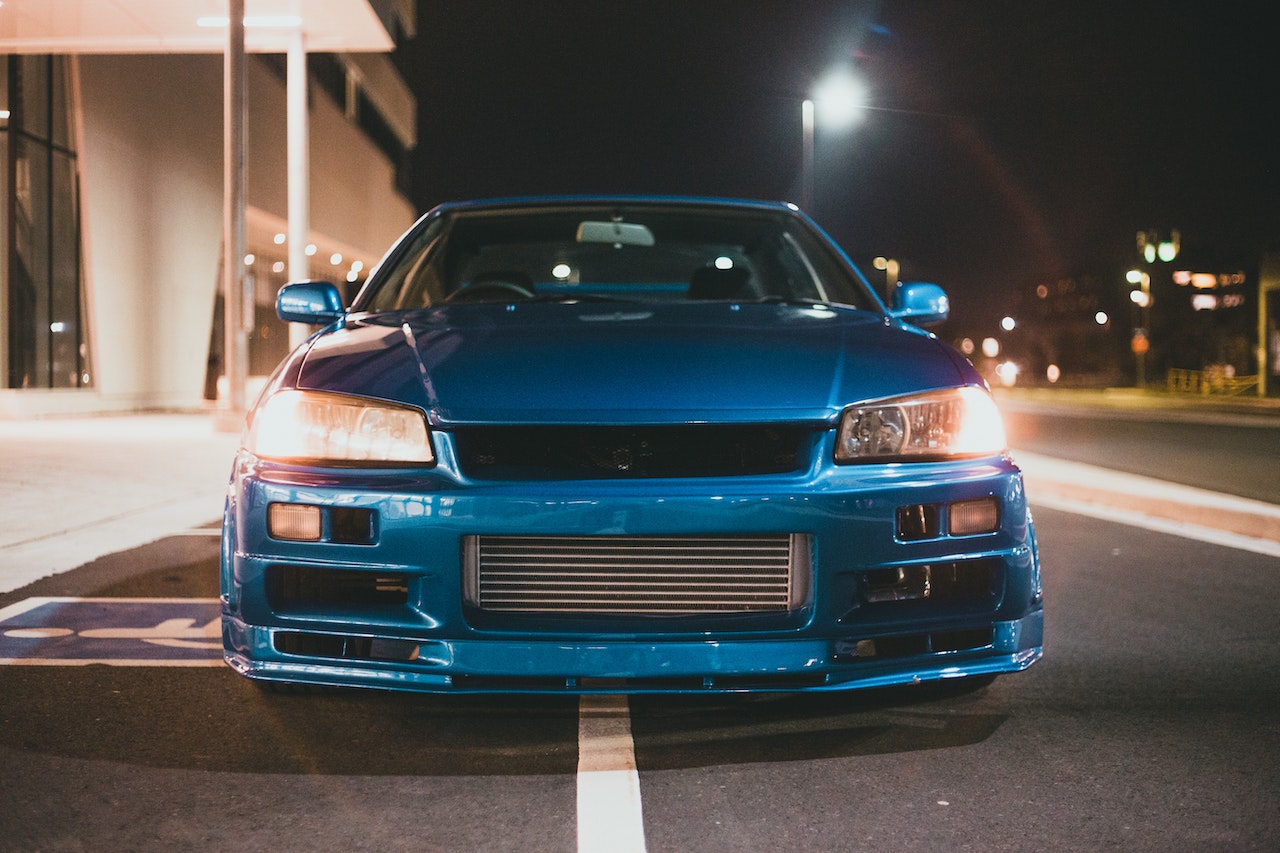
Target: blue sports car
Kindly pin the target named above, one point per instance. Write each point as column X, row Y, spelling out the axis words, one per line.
column 576, row 445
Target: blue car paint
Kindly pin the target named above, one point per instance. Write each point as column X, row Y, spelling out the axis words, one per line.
column 588, row 363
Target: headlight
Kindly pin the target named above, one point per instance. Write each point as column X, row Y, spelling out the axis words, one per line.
column 313, row 426
column 933, row 425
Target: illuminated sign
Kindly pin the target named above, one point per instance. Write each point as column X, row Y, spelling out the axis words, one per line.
column 1204, row 284
column 1208, row 280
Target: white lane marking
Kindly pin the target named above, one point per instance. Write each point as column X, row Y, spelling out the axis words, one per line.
column 29, row 604
column 26, row 604
column 38, row 633
column 1266, row 547
column 1120, row 484
column 609, row 814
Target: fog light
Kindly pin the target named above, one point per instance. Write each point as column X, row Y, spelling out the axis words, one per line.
column 965, row 518
column 919, row 521
column 297, row 522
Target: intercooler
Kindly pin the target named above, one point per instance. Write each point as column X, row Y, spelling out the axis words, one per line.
column 643, row 575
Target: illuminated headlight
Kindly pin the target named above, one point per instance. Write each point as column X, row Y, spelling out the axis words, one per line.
column 933, row 425
column 318, row 427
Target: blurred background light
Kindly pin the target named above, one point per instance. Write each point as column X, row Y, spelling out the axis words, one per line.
column 839, row 99
column 1007, row 371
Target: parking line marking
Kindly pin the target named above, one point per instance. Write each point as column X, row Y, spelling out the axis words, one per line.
column 609, row 813
column 204, row 662
column 67, row 631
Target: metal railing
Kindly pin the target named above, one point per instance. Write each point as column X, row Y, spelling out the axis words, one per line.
column 1211, row 381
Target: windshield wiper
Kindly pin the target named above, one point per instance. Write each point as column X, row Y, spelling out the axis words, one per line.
column 575, row 297
column 790, row 300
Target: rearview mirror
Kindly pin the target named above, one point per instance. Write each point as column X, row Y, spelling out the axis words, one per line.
column 617, row 233
column 920, row 303
column 315, row 302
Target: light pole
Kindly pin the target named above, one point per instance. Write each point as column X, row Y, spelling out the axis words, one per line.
column 1268, row 283
column 806, row 155
column 892, row 270
column 235, row 336
column 1152, row 249
column 838, row 100
column 1141, row 341
column 299, row 182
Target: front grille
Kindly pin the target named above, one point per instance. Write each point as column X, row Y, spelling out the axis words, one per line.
column 644, row 575
column 630, row 452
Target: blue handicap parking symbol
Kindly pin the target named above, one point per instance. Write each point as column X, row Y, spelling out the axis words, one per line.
column 119, row 631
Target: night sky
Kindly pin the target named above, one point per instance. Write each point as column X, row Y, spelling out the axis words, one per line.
column 1007, row 143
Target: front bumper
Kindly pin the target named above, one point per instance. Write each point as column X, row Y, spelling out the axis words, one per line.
column 432, row 638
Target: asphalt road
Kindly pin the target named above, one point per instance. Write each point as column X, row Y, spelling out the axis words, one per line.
column 1233, row 454
column 1153, row 723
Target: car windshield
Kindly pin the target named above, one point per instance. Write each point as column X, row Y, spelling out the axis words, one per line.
column 642, row 253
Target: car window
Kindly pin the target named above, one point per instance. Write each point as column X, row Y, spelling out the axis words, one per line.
column 642, row 253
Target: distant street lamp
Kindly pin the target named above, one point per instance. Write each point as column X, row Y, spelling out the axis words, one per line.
column 838, row 101
column 1141, row 342
column 1153, row 247
column 892, row 270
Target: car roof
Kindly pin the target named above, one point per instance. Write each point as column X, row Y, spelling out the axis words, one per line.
column 597, row 200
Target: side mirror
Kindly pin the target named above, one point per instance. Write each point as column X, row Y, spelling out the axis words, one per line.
column 317, row 303
column 920, row 303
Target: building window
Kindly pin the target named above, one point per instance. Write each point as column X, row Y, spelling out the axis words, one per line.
column 43, row 340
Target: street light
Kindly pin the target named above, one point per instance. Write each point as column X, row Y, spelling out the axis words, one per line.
column 1141, row 341
column 839, row 98
column 892, row 270
column 838, row 101
column 1142, row 296
column 1152, row 247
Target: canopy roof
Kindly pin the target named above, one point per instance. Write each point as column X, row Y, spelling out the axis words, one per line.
column 189, row 26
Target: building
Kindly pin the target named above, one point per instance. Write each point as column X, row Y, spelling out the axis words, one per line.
column 112, row 186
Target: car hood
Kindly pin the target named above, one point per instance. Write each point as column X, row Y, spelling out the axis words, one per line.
column 540, row 363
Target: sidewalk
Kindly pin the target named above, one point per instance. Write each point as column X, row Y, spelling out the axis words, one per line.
column 74, row 489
